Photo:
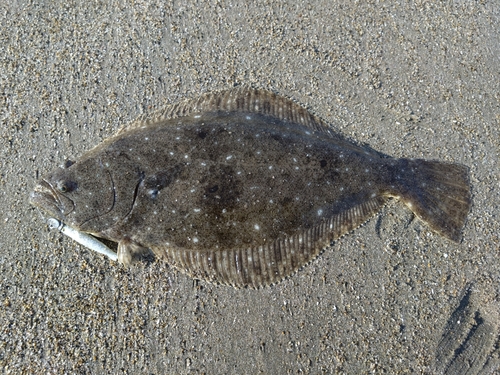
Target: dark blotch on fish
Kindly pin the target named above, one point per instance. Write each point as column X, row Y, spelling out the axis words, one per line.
column 242, row 187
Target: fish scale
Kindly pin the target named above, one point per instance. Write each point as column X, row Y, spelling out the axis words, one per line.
column 242, row 187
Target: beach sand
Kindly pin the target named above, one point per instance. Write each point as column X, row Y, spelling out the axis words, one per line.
column 411, row 80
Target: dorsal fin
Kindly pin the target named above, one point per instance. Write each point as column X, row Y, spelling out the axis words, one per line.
column 241, row 99
column 245, row 100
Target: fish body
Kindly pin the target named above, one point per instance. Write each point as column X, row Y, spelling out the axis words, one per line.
column 242, row 187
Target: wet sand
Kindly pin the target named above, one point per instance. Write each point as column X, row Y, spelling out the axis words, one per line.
column 417, row 81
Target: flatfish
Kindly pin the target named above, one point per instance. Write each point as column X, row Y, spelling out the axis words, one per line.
column 242, row 187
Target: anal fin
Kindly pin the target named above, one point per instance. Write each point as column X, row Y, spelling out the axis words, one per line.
column 273, row 261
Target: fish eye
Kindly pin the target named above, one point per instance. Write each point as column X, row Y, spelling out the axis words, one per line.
column 65, row 186
column 68, row 163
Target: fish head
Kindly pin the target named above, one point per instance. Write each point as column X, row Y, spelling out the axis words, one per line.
column 76, row 195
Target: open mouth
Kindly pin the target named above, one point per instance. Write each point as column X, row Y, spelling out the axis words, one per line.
column 45, row 197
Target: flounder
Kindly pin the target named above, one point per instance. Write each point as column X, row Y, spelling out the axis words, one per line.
column 242, row 187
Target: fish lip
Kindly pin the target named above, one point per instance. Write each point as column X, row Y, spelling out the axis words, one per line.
column 44, row 196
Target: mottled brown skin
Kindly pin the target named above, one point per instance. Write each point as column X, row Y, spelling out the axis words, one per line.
column 224, row 194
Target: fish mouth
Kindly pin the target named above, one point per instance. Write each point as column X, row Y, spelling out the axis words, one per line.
column 44, row 196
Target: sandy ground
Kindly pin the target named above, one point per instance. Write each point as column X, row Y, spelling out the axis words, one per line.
column 418, row 80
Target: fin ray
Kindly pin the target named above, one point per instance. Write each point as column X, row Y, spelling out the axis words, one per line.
column 243, row 100
column 443, row 200
column 269, row 263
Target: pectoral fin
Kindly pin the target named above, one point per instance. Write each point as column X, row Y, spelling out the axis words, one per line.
column 129, row 251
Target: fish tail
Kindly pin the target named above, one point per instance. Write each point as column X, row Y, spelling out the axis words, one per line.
column 438, row 193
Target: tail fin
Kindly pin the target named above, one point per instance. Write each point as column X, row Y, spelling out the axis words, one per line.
column 438, row 193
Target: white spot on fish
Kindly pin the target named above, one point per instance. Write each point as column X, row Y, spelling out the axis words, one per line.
column 195, row 240
column 196, row 210
column 320, row 212
column 229, row 157
column 256, row 227
column 153, row 193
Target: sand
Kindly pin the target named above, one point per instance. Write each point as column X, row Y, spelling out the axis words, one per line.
column 411, row 80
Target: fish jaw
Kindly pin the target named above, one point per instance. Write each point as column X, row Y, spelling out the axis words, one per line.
column 45, row 197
